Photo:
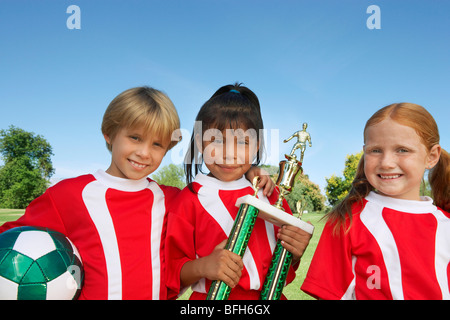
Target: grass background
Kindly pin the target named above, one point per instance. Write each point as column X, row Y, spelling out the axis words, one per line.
column 292, row 291
column 10, row 215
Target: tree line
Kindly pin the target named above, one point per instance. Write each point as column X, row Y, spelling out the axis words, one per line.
column 27, row 168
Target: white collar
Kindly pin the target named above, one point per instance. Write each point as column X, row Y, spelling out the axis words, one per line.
column 214, row 183
column 121, row 183
column 425, row 205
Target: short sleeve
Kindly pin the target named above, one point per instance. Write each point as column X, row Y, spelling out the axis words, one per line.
column 330, row 275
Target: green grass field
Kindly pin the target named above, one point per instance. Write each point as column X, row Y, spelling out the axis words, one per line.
column 292, row 291
column 10, row 215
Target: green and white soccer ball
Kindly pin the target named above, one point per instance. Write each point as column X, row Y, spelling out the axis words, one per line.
column 39, row 264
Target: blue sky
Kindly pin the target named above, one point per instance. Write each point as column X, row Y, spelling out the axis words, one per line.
column 308, row 61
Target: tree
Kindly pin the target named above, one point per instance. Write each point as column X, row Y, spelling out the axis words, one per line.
column 27, row 167
column 271, row 170
column 170, row 175
column 338, row 187
column 308, row 193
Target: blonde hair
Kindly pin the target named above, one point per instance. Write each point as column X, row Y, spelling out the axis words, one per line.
column 418, row 118
column 142, row 106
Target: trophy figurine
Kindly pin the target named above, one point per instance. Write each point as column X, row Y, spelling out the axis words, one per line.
column 281, row 259
column 302, row 137
column 237, row 242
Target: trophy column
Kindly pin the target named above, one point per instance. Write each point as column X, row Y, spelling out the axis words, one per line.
column 237, row 242
column 281, row 259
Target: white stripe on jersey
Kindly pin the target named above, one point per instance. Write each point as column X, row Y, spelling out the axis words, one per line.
column 350, row 292
column 94, row 199
column 372, row 218
column 442, row 260
column 158, row 211
column 211, row 202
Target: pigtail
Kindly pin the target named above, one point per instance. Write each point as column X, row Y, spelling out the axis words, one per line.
column 341, row 215
column 439, row 178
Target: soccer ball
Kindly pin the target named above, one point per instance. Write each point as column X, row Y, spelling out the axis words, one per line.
column 39, row 264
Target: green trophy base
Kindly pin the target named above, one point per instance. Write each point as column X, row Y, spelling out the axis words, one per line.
column 237, row 243
column 277, row 274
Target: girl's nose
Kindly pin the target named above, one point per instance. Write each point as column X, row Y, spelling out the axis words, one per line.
column 230, row 151
column 388, row 161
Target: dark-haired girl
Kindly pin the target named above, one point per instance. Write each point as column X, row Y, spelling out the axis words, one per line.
column 227, row 140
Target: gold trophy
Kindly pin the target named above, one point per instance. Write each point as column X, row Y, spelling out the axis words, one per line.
column 281, row 259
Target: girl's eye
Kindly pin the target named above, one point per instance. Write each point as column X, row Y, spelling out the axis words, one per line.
column 136, row 138
column 242, row 142
column 403, row 150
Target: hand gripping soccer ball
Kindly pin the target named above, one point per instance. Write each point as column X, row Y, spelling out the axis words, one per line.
column 39, row 264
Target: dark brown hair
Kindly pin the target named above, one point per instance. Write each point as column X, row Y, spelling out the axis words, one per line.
column 231, row 106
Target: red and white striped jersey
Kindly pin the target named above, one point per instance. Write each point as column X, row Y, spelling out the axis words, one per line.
column 395, row 249
column 118, row 226
column 199, row 222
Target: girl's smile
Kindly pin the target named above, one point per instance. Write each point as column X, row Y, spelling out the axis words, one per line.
column 392, row 176
column 137, row 165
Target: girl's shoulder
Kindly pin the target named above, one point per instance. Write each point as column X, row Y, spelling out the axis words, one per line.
column 170, row 191
column 66, row 185
column 186, row 200
column 188, row 194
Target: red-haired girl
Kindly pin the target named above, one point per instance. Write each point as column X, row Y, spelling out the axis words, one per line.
column 385, row 241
